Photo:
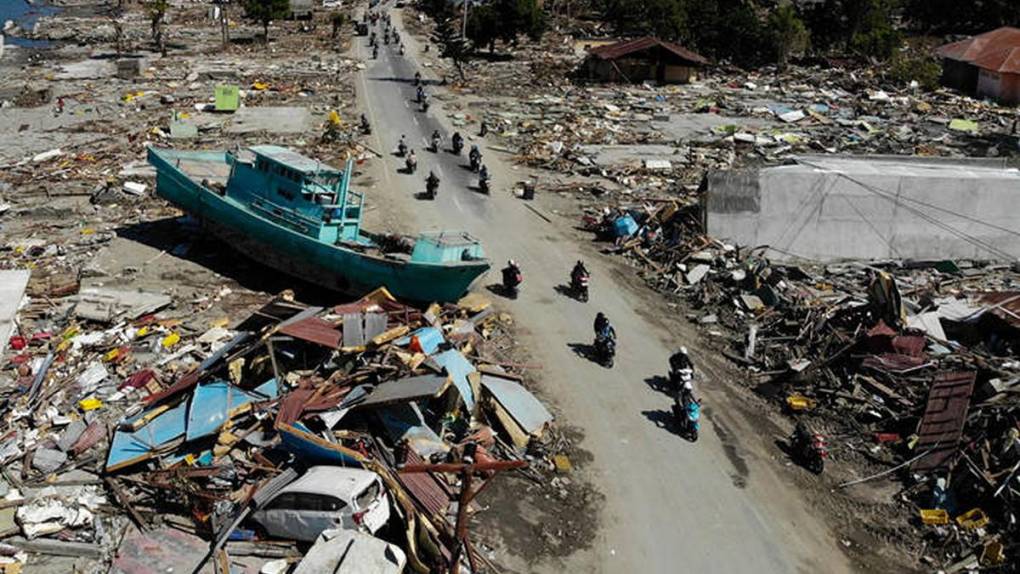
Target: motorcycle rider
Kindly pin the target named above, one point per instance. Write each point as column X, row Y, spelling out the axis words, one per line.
column 512, row 275
column 436, row 139
column 679, row 363
column 402, row 146
column 483, row 179
column 603, row 328
column 578, row 271
column 475, row 157
column 417, row 79
column 375, row 52
column 420, row 94
column 458, row 142
column 432, row 184
column 483, row 129
column 365, row 126
column 411, row 162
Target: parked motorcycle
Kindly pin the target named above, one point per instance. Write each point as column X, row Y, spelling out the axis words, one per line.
column 810, row 448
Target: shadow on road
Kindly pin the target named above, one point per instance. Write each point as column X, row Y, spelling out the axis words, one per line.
column 660, row 383
column 662, row 419
column 585, row 351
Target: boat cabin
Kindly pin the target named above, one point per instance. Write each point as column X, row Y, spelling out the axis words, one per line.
column 446, row 247
column 298, row 192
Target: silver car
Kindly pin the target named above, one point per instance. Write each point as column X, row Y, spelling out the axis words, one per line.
column 325, row 497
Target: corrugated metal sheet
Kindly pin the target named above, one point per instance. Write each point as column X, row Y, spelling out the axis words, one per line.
column 424, row 488
column 998, row 50
column 942, row 424
column 314, row 330
column 628, row 47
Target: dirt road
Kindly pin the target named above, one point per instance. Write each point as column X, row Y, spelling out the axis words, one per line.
column 713, row 506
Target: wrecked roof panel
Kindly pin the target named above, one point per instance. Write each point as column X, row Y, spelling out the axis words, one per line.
column 529, row 413
column 944, row 416
column 407, row 389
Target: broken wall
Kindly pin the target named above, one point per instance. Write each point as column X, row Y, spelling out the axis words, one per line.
column 829, row 209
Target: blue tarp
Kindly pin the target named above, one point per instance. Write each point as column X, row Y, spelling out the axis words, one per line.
column 212, row 403
column 129, row 447
column 625, row 226
column 312, row 449
column 458, row 368
column 428, row 337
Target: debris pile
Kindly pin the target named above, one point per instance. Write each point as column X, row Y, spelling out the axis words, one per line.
column 126, row 429
column 915, row 366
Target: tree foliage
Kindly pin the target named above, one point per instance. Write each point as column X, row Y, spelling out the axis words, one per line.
column 789, row 35
column 265, row 11
column 505, row 20
column 957, row 16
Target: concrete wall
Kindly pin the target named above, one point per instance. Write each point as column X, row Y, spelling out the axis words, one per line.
column 832, row 209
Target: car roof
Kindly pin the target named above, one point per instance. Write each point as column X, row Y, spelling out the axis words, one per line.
column 337, row 481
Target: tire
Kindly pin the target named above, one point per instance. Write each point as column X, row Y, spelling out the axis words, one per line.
column 816, row 465
column 694, row 434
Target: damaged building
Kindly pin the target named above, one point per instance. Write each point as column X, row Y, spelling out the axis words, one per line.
column 642, row 60
column 986, row 65
column 828, row 208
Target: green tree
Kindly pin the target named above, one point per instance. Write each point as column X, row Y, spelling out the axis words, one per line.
column 873, row 34
column 265, row 11
column 483, row 27
column 452, row 44
column 789, row 36
column 156, row 11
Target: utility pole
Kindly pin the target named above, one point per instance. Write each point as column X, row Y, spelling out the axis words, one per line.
column 463, row 24
column 467, row 468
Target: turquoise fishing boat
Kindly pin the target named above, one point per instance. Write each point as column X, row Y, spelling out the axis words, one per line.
column 301, row 217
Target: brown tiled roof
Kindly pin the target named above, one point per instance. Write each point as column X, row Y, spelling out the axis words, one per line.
column 627, row 47
column 997, row 51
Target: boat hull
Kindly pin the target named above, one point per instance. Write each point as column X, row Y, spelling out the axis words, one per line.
column 330, row 266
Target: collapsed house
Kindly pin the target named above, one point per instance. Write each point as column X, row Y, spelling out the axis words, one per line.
column 827, row 208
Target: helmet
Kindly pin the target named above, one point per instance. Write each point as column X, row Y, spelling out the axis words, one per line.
column 599, row 315
column 683, row 350
column 511, row 263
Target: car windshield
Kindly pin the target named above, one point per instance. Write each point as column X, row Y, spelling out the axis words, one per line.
column 368, row 496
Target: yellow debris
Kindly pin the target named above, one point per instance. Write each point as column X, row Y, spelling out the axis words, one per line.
column 934, row 517
column 562, row 463
column 90, row 404
column 170, row 340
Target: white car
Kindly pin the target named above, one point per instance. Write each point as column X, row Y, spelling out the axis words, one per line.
column 325, row 497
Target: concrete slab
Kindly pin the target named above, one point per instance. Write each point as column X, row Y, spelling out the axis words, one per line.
column 87, row 70
column 827, row 208
column 12, row 290
column 270, row 120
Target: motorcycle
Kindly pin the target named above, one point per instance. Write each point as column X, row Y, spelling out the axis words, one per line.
column 401, row 149
column 483, row 185
column 435, row 144
column 687, row 411
column 458, row 146
column 375, row 53
column 811, row 448
column 476, row 162
column 431, row 188
column 411, row 164
column 366, row 128
column 605, row 350
column 425, row 106
column 512, row 279
column 579, row 285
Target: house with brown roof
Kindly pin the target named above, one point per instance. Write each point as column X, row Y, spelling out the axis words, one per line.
column 987, row 65
column 641, row 60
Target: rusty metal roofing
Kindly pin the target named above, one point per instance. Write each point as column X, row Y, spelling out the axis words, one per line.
column 424, row 487
column 314, row 330
column 944, row 416
column 997, row 51
column 628, row 47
